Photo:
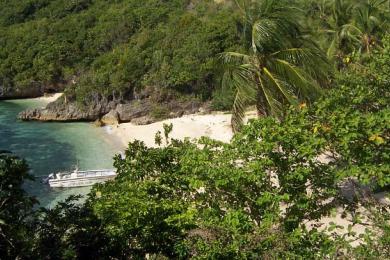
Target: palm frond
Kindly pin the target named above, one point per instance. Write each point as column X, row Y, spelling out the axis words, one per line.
column 270, row 35
column 295, row 55
column 332, row 47
column 240, row 78
column 272, row 104
column 284, row 67
column 350, row 32
column 238, row 113
column 281, row 86
column 265, row 36
column 310, row 59
column 231, row 58
column 303, row 84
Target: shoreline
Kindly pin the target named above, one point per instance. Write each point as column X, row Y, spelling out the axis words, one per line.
column 215, row 125
column 48, row 98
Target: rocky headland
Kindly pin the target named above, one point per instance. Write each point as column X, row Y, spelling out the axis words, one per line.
column 144, row 108
column 32, row 91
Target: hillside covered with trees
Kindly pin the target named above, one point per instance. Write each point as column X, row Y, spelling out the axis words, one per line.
column 112, row 48
column 102, row 53
column 318, row 73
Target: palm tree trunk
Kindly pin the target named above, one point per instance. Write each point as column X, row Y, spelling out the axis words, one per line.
column 366, row 40
column 261, row 101
column 261, row 104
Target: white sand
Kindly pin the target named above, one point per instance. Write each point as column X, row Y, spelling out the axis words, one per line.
column 48, row 98
column 216, row 126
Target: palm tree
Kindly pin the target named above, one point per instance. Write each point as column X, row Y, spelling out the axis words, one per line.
column 283, row 67
column 341, row 15
column 370, row 19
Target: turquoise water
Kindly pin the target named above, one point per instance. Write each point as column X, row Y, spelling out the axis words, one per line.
column 51, row 147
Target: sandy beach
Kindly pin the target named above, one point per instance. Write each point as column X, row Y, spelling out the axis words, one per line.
column 48, row 98
column 216, row 126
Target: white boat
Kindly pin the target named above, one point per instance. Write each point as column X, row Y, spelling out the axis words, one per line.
column 79, row 178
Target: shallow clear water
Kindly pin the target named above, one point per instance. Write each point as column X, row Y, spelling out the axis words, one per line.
column 51, row 147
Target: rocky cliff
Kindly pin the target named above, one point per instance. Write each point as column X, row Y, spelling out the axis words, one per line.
column 143, row 110
column 32, row 91
column 10, row 93
column 67, row 111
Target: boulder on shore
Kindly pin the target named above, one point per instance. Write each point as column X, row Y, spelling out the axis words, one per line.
column 111, row 118
column 144, row 120
column 129, row 111
column 98, row 123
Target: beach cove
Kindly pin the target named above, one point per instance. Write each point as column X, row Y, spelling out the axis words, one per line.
column 56, row 146
column 53, row 147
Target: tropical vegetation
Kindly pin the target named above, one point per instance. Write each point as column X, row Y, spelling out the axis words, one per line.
column 265, row 195
column 112, row 48
column 283, row 66
column 261, row 196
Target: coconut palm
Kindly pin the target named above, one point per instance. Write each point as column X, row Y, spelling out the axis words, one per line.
column 370, row 19
column 339, row 38
column 283, row 67
column 355, row 25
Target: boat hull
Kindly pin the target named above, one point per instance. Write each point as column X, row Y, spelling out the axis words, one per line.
column 82, row 182
column 81, row 179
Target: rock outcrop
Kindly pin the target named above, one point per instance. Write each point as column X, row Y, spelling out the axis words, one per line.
column 147, row 107
column 10, row 93
column 132, row 110
column 70, row 111
column 111, row 118
column 143, row 120
column 32, row 91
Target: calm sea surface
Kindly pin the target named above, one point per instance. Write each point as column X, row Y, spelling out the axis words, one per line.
column 51, row 147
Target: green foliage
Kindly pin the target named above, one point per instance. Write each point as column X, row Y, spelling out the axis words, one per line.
column 347, row 26
column 112, row 48
column 15, row 206
column 223, row 99
column 282, row 68
column 361, row 127
column 251, row 198
column 69, row 231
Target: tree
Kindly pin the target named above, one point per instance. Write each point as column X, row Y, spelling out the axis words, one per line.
column 370, row 18
column 15, row 206
column 251, row 198
column 341, row 15
column 283, row 66
column 70, row 230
